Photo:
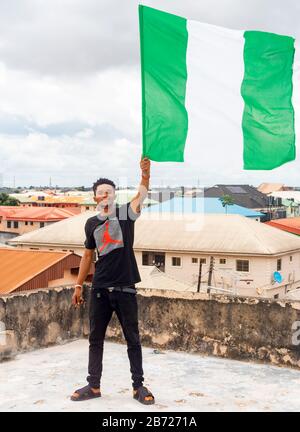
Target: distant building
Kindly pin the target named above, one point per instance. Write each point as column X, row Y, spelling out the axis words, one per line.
column 47, row 200
column 164, row 194
column 290, row 199
column 249, row 197
column 246, row 254
column 19, row 220
column 24, row 270
column 202, row 205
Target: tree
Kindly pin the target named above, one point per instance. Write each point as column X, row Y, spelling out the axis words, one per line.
column 6, row 200
column 226, row 200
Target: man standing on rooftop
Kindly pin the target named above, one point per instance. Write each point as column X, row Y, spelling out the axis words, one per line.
column 111, row 233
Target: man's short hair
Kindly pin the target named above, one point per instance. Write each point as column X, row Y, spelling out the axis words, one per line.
column 101, row 181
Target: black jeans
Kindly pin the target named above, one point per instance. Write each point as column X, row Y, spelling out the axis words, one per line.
column 102, row 305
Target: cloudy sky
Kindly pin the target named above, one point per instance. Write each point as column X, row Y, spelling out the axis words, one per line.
column 70, row 91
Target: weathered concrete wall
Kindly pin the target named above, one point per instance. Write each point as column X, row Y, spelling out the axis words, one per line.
column 239, row 328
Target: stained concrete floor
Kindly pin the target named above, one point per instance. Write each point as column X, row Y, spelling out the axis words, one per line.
column 43, row 380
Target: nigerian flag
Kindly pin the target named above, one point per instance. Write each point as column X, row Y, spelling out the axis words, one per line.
column 192, row 71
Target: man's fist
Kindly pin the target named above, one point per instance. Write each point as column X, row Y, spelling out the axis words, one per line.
column 145, row 167
column 77, row 298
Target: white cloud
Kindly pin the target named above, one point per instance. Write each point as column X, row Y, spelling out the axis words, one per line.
column 70, row 89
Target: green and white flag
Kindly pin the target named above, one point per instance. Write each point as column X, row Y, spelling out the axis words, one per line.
column 193, row 73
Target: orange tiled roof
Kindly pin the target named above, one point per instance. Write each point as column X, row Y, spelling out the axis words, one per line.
column 291, row 225
column 36, row 213
column 17, row 266
column 58, row 199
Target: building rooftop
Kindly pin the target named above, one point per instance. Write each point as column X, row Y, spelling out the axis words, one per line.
column 18, row 266
column 244, row 195
column 291, row 225
column 200, row 205
column 267, row 188
column 152, row 277
column 43, row 380
column 47, row 214
column 208, row 233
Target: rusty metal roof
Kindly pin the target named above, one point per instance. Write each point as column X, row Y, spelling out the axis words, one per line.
column 18, row 266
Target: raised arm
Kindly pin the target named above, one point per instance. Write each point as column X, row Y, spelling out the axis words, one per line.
column 138, row 199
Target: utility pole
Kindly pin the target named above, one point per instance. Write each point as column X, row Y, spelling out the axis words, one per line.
column 210, row 272
column 199, row 275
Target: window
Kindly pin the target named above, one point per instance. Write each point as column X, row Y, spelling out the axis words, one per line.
column 279, row 264
column 176, row 261
column 26, row 222
column 8, row 224
column 42, row 224
column 31, row 223
column 291, row 258
column 154, row 259
column 222, row 261
column 145, row 259
column 16, row 224
column 242, row 265
column 203, row 260
column 194, row 260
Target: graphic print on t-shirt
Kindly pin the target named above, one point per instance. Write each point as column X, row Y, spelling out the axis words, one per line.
column 108, row 236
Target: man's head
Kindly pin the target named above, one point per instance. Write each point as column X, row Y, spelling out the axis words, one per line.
column 104, row 192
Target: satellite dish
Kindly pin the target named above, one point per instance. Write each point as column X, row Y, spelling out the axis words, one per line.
column 277, row 277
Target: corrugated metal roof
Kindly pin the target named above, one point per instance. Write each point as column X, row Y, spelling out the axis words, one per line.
column 267, row 188
column 36, row 213
column 291, row 225
column 209, row 233
column 17, row 266
column 200, row 205
column 228, row 234
column 152, row 277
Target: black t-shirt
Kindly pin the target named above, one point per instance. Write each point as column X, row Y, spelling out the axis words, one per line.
column 113, row 236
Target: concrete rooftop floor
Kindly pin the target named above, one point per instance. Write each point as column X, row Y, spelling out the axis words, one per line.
column 43, row 380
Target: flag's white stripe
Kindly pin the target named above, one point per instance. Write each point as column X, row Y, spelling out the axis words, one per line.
column 215, row 69
column 296, row 96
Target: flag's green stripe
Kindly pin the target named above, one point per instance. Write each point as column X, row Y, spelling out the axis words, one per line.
column 163, row 39
column 268, row 118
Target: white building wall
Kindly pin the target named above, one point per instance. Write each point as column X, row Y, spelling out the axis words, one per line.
column 258, row 281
